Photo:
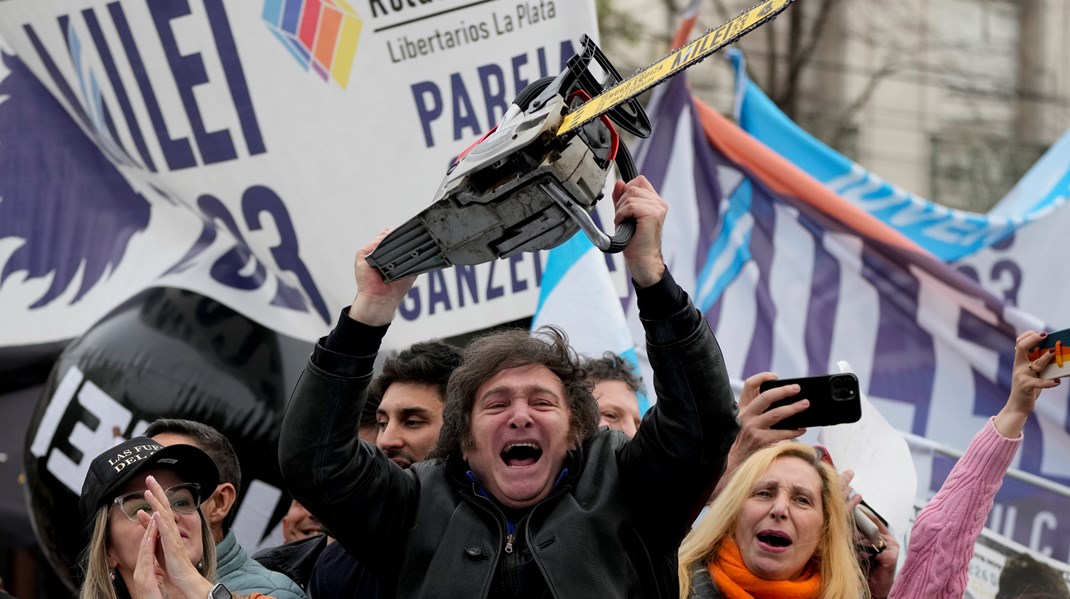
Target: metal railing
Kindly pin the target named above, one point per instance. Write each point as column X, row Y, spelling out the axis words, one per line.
column 1026, row 477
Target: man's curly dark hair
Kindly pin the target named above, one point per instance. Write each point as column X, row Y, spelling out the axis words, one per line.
column 612, row 367
column 489, row 355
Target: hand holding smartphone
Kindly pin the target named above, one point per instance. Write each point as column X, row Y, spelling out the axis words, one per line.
column 834, row 399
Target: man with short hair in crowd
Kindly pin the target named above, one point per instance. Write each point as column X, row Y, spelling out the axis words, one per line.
column 304, row 539
column 616, row 387
column 524, row 496
column 234, row 568
column 409, row 395
column 406, row 399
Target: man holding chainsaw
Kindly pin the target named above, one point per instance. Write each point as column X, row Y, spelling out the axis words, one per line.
column 527, row 497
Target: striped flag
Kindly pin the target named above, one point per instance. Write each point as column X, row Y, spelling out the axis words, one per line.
column 1007, row 251
column 793, row 278
column 946, row 232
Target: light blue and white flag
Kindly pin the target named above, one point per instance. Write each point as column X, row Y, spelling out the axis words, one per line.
column 578, row 295
column 946, row 232
column 793, row 279
column 1046, row 185
column 1010, row 251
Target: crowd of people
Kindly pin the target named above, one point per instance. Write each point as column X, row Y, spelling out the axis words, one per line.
column 515, row 468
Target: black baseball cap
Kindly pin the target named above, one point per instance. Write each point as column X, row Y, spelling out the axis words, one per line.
column 110, row 470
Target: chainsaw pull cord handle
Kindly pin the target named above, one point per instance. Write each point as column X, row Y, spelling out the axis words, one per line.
column 532, row 91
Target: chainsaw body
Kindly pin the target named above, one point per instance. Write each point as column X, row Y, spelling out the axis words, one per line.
column 522, row 187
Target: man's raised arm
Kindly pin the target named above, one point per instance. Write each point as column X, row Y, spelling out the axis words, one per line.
column 680, row 450
column 362, row 498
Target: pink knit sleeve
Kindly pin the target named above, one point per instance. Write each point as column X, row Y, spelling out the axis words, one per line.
column 942, row 539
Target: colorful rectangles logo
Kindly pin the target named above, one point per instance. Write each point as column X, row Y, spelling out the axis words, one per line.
column 321, row 35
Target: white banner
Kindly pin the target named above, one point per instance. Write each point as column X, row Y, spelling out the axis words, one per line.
column 244, row 150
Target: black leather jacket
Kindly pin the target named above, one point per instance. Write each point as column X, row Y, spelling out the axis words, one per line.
column 612, row 526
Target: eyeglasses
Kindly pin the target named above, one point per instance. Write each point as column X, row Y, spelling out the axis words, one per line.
column 184, row 498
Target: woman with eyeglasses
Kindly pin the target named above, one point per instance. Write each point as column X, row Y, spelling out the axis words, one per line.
column 149, row 539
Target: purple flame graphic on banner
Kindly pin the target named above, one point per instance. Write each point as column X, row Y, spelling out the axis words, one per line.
column 73, row 210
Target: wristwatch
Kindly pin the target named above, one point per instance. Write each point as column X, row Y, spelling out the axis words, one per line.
column 219, row 592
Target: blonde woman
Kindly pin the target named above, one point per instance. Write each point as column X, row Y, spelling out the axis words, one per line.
column 149, row 539
column 779, row 528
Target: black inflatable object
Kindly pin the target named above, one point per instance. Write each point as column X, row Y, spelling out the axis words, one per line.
column 164, row 353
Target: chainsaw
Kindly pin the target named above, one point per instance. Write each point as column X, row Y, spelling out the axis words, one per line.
column 532, row 181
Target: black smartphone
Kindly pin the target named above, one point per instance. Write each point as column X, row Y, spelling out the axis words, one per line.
column 834, row 399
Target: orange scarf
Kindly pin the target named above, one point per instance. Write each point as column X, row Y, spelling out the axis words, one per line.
column 735, row 581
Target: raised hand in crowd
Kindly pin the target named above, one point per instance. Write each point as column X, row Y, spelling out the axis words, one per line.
column 881, row 567
column 637, row 199
column 943, row 535
column 1026, row 385
column 377, row 301
column 756, row 423
column 236, row 571
column 163, row 544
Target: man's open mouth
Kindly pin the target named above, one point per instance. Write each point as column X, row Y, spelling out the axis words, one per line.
column 519, row 455
column 774, row 538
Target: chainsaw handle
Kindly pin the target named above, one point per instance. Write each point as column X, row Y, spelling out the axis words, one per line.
column 621, row 237
column 626, row 229
column 607, row 244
